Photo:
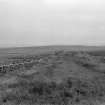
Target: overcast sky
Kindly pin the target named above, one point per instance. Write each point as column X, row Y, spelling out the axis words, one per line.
column 52, row 22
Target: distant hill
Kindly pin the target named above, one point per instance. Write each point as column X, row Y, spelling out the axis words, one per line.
column 43, row 49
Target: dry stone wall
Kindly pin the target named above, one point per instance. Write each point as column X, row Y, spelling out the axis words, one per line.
column 18, row 66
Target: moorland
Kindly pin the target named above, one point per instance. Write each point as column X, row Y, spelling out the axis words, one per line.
column 52, row 75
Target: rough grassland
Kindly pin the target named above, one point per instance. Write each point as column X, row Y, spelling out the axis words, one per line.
column 55, row 77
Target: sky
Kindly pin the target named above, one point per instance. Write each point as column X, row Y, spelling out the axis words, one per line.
column 52, row 22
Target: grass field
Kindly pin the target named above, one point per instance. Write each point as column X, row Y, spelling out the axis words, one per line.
column 53, row 75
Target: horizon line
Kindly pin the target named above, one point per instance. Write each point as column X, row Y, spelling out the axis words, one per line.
column 52, row 46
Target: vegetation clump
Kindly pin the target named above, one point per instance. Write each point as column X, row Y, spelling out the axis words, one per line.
column 70, row 90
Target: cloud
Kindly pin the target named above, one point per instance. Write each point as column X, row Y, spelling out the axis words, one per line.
column 37, row 22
